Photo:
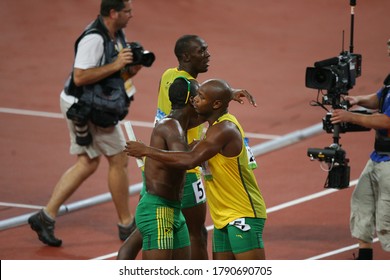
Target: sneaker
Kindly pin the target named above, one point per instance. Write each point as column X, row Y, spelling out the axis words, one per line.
column 364, row 254
column 125, row 231
column 44, row 228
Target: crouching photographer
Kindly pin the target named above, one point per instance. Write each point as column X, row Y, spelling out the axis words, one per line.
column 96, row 96
column 370, row 206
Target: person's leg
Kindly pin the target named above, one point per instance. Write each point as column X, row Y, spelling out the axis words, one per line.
column 223, row 256
column 383, row 205
column 182, row 253
column 195, row 217
column 70, row 181
column 118, row 183
column 157, row 254
column 131, row 247
column 255, row 254
column 43, row 222
column 194, row 210
column 133, row 244
column 88, row 160
column 362, row 221
column 181, row 237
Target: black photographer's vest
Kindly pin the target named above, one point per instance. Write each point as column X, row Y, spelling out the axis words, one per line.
column 382, row 142
column 110, row 53
column 106, row 99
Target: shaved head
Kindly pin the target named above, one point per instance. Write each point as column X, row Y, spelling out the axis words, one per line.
column 218, row 90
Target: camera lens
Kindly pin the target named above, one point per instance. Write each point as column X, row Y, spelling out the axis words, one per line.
column 83, row 136
column 320, row 77
column 148, row 58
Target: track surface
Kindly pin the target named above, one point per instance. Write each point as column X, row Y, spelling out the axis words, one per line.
column 263, row 46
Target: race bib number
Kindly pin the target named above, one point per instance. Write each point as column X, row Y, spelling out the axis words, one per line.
column 251, row 158
column 199, row 191
column 240, row 224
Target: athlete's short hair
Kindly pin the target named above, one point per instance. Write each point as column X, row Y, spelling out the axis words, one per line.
column 183, row 44
column 180, row 92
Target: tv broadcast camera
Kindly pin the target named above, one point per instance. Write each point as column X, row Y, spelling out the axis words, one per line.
column 336, row 75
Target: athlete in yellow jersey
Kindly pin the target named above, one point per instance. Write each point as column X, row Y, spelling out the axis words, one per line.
column 231, row 185
column 236, row 204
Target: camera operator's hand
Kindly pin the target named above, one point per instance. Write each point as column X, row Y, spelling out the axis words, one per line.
column 375, row 121
column 124, row 58
column 352, row 100
column 340, row 115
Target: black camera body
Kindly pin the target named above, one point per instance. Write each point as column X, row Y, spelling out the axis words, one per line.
column 339, row 170
column 79, row 113
column 337, row 75
column 344, row 126
column 140, row 56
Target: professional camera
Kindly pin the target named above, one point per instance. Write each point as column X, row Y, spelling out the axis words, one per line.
column 140, row 56
column 79, row 113
column 338, row 169
column 336, row 75
column 344, row 126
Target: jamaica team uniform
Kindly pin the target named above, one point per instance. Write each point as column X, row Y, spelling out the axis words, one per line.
column 194, row 192
column 236, row 205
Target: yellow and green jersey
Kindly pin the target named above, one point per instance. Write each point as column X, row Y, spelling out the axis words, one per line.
column 231, row 187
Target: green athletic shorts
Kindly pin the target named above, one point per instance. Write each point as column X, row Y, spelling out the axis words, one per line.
column 161, row 223
column 194, row 192
column 239, row 236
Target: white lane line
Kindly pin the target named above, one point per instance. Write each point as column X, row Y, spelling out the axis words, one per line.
column 338, row 251
column 19, row 205
column 56, row 115
column 306, row 198
column 134, row 123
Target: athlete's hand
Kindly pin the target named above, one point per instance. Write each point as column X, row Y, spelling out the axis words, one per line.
column 135, row 149
column 241, row 93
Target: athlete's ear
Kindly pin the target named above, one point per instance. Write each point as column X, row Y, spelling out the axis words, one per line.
column 217, row 104
column 186, row 57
